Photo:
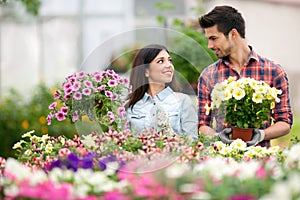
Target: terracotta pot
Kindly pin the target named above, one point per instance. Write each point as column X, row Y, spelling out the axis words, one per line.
column 244, row 134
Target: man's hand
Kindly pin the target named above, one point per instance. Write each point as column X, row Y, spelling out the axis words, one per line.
column 258, row 136
column 224, row 135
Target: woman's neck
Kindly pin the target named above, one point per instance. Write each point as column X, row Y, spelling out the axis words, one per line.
column 154, row 89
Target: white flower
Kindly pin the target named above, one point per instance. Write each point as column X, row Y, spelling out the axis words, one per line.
column 238, row 144
column 238, row 93
column 89, row 141
column 257, row 97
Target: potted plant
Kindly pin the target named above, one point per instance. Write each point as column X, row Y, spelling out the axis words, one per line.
column 245, row 103
column 96, row 95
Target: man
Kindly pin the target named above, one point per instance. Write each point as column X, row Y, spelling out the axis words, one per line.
column 224, row 28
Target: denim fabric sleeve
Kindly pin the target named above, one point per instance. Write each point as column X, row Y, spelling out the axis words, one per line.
column 189, row 118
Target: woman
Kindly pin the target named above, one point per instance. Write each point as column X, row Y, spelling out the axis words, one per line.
column 155, row 101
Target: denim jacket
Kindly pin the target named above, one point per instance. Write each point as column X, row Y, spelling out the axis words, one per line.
column 178, row 107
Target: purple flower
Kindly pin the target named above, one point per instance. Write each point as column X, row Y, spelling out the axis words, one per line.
column 111, row 72
column 76, row 86
column 75, row 116
column 102, row 87
column 88, row 83
column 114, row 97
column 72, row 162
column 103, row 162
column 71, row 79
column 64, row 110
column 49, row 117
column 111, row 116
column 80, row 75
column 60, row 116
column 57, row 94
column 98, row 77
column 108, row 93
column 86, row 91
column 68, row 91
column 121, row 111
column 77, row 96
column 67, row 85
column 112, row 83
column 53, row 105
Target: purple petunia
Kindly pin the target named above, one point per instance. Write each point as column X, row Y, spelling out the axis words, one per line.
column 108, row 93
column 102, row 87
column 76, row 86
column 53, row 105
column 112, row 83
column 77, row 95
column 68, row 91
column 121, row 112
column 60, row 116
column 86, row 91
column 75, row 116
column 88, row 84
column 98, row 77
column 80, row 75
column 64, row 110
column 114, row 97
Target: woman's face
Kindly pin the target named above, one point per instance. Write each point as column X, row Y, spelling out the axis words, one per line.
column 161, row 69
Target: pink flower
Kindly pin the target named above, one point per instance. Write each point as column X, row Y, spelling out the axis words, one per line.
column 2, row 162
column 64, row 110
column 80, row 75
column 60, row 116
column 261, row 173
column 108, row 93
column 114, row 97
column 53, row 105
column 112, row 83
column 121, row 112
column 102, row 87
column 98, row 77
column 75, row 116
column 76, row 86
column 86, row 91
column 64, row 152
column 88, row 84
column 77, row 96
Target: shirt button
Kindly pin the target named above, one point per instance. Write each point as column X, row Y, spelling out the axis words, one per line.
column 154, row 103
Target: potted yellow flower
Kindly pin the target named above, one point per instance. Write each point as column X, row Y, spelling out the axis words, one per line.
column 246, row 103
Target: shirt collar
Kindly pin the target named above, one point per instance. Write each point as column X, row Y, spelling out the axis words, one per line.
column 253, row 55
column 160, row 96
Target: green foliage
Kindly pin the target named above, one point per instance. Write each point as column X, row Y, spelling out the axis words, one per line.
column 32, row 6
column 188, row 60
column 19, row 116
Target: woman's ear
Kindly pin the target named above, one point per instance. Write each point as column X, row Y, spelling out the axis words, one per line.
column 147, row 72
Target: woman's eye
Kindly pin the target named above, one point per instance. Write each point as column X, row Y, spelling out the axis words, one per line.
column 160, row 61
column 170, row 60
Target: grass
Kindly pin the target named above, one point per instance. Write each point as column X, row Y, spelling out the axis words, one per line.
column 295, row 131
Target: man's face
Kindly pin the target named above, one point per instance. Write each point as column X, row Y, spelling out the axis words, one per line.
column 218, row 42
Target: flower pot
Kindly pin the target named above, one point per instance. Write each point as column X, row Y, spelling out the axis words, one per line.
column 244, row 134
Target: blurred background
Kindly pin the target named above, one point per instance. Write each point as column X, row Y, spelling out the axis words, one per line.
column 43, row 41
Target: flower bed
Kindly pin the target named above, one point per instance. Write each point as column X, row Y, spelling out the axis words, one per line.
column 114, row 163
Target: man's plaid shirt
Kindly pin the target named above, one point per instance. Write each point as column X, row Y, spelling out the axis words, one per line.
column 257, row 67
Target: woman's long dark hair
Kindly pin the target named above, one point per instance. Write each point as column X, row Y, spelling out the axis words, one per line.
column 138, row 80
